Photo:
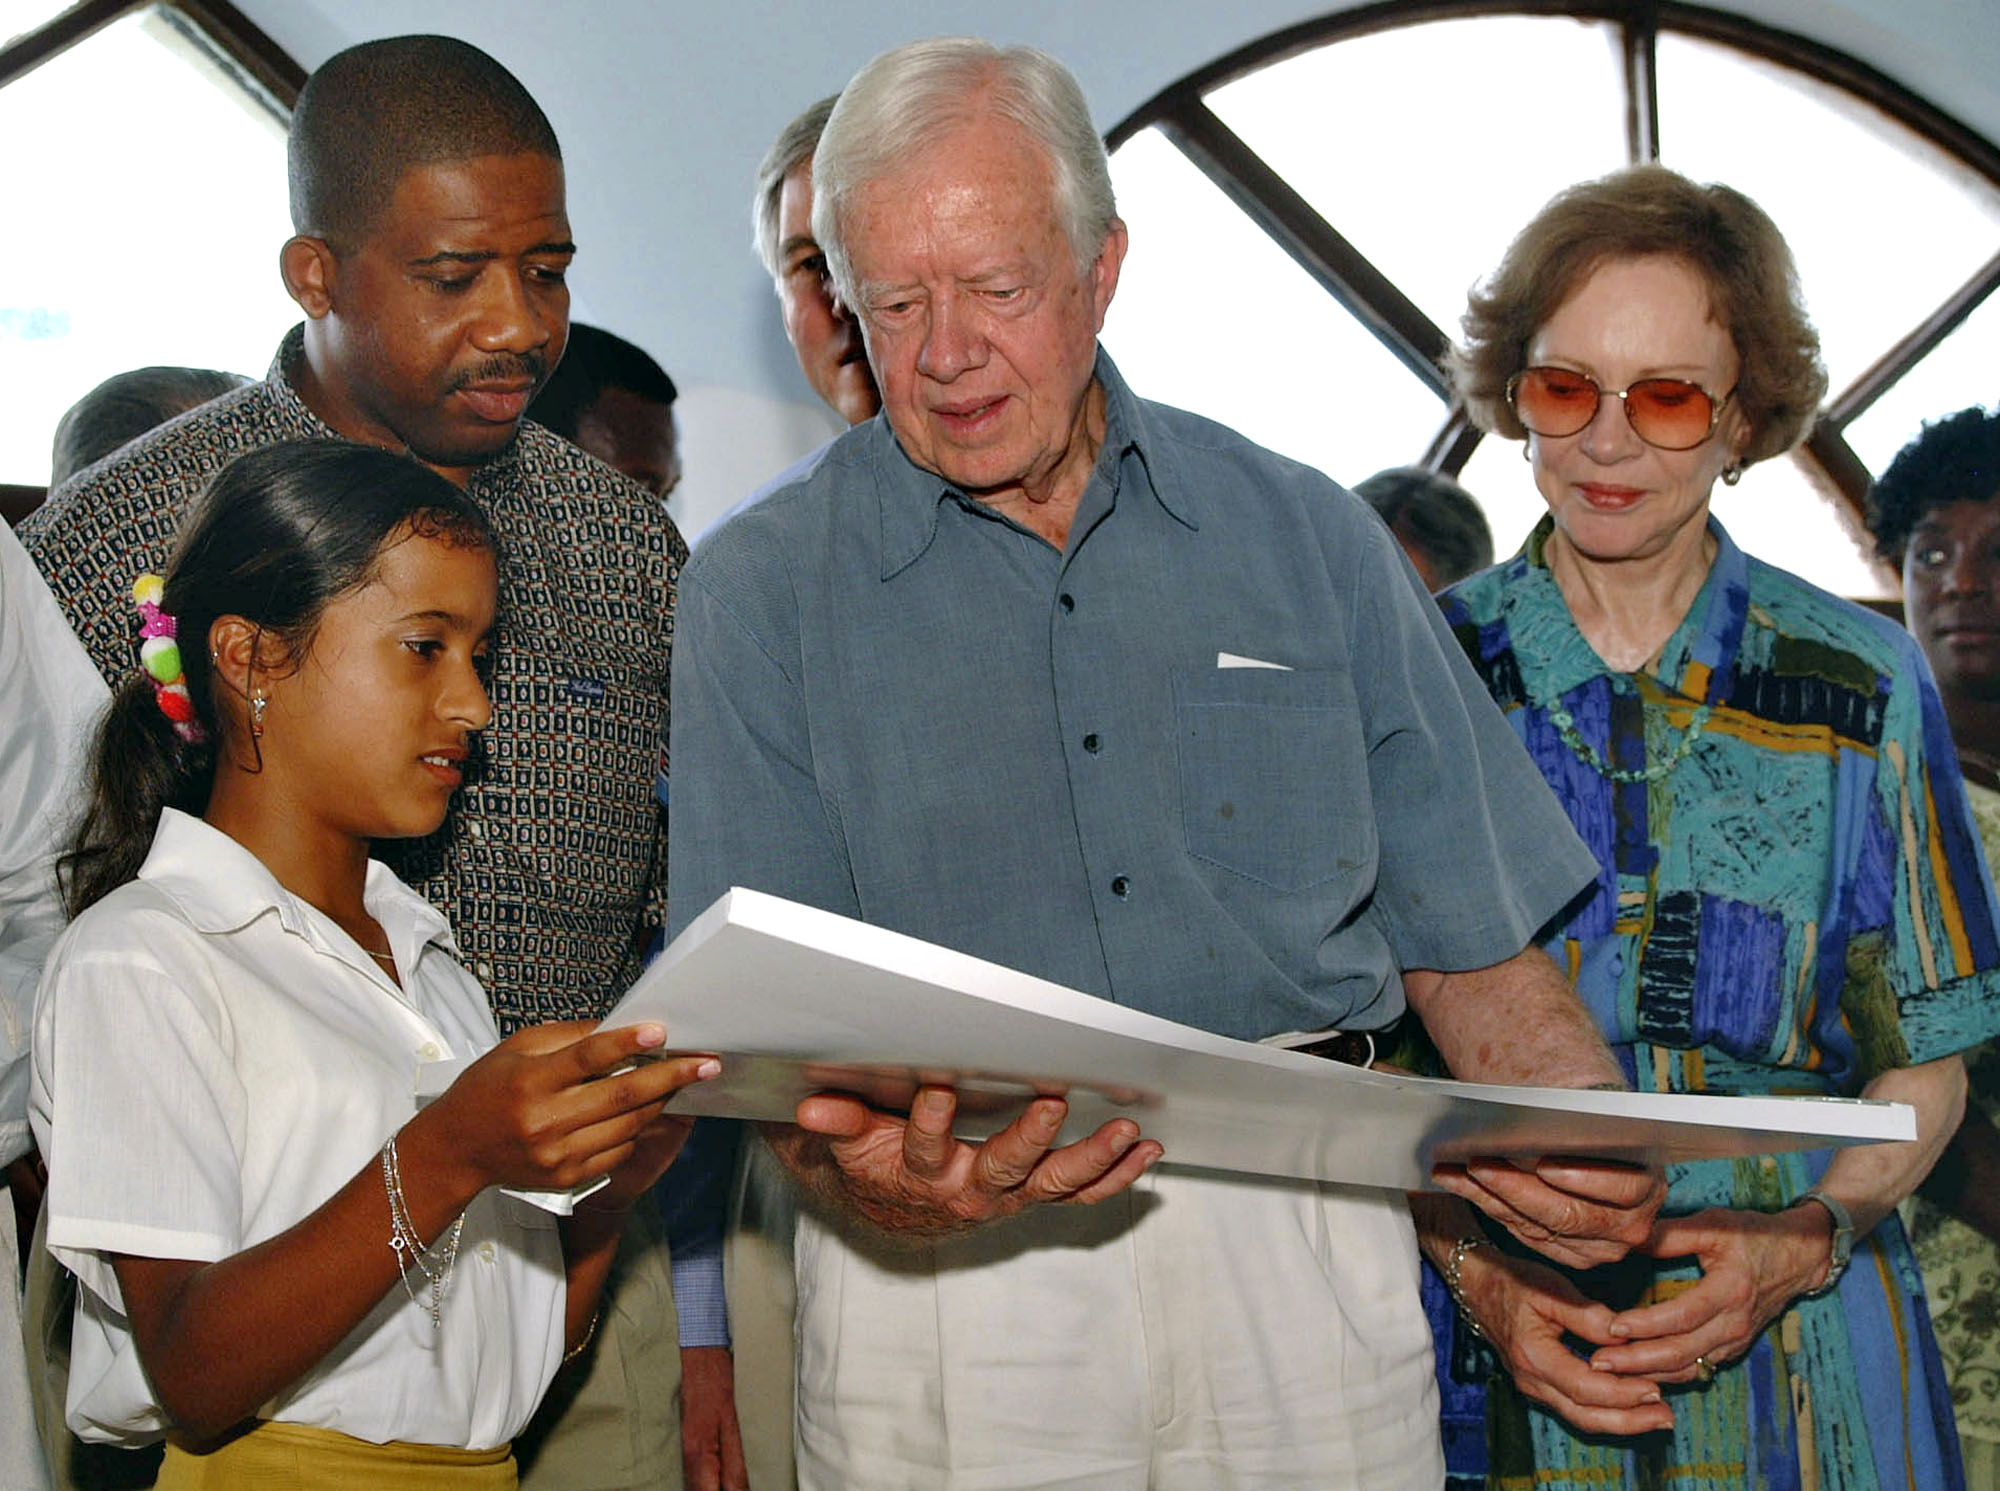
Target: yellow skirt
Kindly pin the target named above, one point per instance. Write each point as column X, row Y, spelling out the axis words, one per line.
column 295, row 1457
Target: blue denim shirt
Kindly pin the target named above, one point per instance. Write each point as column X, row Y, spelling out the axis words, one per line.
column 896, row 704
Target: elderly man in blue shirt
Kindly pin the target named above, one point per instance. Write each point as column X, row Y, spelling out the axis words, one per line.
column 1101, row 691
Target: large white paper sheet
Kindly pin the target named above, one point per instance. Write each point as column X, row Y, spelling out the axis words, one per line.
column 796, row 1000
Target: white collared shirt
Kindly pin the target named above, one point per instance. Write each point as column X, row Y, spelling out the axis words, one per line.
column 50, row 695
column 213, row 1059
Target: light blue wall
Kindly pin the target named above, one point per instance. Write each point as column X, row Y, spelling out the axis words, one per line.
column 664, row 107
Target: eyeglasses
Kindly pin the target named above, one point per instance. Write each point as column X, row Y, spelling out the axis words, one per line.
column 1669, row 413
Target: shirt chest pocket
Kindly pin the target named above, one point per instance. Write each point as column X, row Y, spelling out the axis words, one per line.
column 567, row 795
column 1274, row 774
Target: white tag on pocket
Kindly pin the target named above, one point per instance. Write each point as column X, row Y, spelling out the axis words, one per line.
column 1231, row 660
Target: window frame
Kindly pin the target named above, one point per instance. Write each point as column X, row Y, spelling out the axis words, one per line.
column 265, row 69
column 1318, row 246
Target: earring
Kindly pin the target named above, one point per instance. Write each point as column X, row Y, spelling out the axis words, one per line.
column 257, row 703
column 1524, row 453
column 1732, row 473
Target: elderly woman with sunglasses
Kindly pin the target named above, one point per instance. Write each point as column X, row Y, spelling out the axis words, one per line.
column 1790, row 898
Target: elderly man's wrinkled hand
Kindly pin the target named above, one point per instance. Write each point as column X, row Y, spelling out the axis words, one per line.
column 1581, row 1213
column 912, row 1176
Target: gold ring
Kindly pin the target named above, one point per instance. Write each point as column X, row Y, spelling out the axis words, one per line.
column 1704, row 1369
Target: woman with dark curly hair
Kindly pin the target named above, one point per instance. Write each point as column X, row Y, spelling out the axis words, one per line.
column 1789, row 898
column 1935, row 514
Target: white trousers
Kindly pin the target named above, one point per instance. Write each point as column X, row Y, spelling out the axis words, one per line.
column 21, row 1465
column 1198, row 1333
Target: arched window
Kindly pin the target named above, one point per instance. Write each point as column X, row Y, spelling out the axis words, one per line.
column 145, row 186
column 1308, row 213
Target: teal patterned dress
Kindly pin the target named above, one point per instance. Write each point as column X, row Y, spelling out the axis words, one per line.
column 1962, row 1266
column 1797, row 905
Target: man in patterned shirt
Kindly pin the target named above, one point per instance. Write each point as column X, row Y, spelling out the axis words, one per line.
column 432, row 243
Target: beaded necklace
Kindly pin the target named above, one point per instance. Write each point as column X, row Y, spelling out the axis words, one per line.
column 1565, row 724
column 1587, row 753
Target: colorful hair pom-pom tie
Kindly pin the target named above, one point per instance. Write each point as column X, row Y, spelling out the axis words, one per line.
column 160, row 656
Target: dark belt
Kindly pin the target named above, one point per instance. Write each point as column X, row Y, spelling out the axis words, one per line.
column 1352, row 1047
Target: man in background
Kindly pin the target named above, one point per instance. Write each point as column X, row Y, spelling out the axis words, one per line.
column 1438, row 523
column 821, row 331
column 125, row 406
column 823, row 334
column 611, row 398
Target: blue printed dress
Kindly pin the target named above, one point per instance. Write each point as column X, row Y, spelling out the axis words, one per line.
column 1799, row 904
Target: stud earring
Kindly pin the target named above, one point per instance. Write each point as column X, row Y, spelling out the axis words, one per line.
column 1732, row 473
column 257, row 703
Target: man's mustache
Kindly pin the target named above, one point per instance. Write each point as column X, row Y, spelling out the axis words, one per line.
column 511, row 367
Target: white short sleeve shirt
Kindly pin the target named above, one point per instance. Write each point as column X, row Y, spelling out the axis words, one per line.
column 213, row 1059
column 50, row 695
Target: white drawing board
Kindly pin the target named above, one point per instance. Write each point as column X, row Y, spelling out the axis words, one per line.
column 797, row 1000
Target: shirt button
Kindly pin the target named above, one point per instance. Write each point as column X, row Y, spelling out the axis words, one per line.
column 430, row 1051
column 1066, row 601
column 488, row 1252
column 474, row 827
column 484, row 970
column 1120, row 886
column 1091, row 743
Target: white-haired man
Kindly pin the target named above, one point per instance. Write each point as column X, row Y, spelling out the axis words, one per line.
column 969, row 680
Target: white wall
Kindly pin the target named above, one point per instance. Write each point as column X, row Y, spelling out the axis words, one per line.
column 664, row 107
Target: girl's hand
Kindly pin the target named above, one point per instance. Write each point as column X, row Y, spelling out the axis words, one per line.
column 1753, row 1264
column 1526, row 1309
column 652, row 1152
column 553, row 1107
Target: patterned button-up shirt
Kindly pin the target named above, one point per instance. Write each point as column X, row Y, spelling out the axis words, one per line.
column 1795, row 901
column 552, row 865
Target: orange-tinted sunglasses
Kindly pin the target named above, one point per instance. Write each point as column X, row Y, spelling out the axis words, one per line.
column 1669, row 413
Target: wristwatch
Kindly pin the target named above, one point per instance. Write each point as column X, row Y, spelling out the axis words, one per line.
column 1843, row 1240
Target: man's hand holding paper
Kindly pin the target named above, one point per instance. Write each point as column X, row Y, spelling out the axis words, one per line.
column 1578, row 1212
column 911, row 1176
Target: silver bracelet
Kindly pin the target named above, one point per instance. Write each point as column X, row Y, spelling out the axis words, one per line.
column 409, row 1247
column 589, row 1335
column 1452, row 1265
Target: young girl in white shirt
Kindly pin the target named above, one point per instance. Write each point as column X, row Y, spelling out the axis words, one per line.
column 295, row 1267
